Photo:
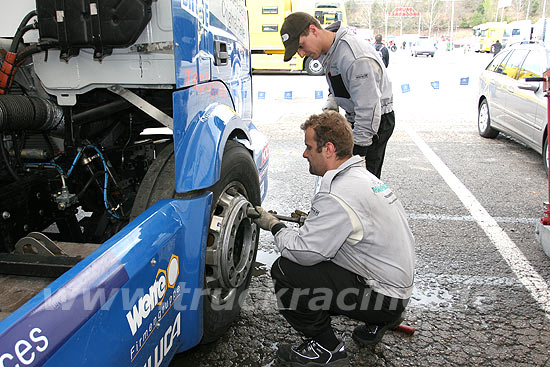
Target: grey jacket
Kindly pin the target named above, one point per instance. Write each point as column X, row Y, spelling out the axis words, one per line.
column 358, row 223
column 359, row 83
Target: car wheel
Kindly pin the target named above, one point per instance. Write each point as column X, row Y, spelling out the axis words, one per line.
column 484, row 121
column 231, row 245
column 314, row 67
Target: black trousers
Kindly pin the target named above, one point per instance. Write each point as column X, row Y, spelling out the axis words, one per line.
column 309, row 295
column 377, row 150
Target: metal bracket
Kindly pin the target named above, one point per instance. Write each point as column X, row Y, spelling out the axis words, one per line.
column 143, row 105
column 39, row 243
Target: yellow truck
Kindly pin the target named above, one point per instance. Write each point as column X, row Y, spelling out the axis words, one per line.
column 489, row 33
column 266, row 18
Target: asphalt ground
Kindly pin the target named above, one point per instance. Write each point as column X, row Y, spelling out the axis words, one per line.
column 481, row 285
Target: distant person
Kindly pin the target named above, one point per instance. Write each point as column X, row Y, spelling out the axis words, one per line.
column 382, row 50
column 497, row 46
column 404, row 45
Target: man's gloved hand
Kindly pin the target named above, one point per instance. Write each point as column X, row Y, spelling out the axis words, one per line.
column 360, row 150
column 330, row 104
column 266, row 220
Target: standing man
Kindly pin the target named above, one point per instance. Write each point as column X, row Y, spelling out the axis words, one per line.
column 357, row 80
column 497, row 46
column 383, row 50
column 353, row 256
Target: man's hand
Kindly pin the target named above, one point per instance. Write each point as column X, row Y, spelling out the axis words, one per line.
column 330, row 104
column 266, row 221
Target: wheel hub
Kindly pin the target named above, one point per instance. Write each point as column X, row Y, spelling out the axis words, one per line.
column 231, row 246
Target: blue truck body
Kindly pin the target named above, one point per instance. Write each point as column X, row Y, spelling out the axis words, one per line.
column 138, row 298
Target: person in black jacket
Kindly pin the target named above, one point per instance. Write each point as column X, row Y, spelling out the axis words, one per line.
column 497, row 46
column 382, row 50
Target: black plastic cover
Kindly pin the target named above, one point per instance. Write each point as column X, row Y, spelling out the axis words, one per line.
column 99, row 24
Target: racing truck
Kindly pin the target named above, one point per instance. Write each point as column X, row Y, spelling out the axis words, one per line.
column 128, row 163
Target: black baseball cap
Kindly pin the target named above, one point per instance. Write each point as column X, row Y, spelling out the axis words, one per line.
column 291, row 30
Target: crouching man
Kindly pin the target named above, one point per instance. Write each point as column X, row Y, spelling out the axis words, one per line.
column 353, row 256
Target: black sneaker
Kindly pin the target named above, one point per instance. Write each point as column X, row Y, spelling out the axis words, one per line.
column 310, row 353
column 372, row 334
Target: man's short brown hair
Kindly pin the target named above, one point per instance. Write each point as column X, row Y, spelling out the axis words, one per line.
column 332, row 127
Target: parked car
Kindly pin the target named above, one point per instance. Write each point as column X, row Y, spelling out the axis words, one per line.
column 508, row 103
column 423, row 46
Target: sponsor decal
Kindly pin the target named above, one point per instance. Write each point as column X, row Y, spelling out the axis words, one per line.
column 25, row 350
column 198, row 8
column 166, row 343
column 145, row 315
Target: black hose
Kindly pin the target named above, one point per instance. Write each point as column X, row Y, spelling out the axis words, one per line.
column 6, row 159
column 30, row 50
column 20, row 113
column 98, row 113
column 94, row 176
column 19, row 36
column 15, row 41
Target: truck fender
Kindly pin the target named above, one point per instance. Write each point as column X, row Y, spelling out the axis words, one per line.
column 202, row 126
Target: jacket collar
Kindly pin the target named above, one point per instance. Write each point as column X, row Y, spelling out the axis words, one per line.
column 342, row 31
column 326, row 181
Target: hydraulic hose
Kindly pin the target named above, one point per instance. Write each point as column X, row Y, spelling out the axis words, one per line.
column 20, row 31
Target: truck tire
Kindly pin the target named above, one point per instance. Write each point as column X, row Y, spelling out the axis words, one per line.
column 313, row 67
column 231, row 250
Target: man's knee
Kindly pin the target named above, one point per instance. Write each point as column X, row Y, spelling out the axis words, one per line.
column 281, row 270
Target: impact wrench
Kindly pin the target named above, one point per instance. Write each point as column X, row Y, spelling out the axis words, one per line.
column 300, row 217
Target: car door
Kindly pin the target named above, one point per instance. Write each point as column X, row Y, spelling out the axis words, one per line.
column 531, row 97
column 494, row 80
column 510, row 117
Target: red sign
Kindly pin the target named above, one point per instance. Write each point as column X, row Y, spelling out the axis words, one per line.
column 404, row 12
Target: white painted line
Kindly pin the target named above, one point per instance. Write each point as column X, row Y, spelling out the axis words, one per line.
column 507, row 248
column 469, row 218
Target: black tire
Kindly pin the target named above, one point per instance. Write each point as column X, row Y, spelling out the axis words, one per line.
column 313, row 67
column 484, row 121
column 238, row 178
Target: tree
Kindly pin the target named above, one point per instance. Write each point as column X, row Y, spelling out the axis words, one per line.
column 435, row 6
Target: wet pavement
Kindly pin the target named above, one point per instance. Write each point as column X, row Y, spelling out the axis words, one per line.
column 481, row 294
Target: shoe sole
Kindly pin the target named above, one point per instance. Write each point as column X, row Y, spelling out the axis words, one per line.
column 380, row 335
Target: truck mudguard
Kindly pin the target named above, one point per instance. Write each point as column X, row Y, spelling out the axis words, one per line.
column 200, row 133
column 134, row 301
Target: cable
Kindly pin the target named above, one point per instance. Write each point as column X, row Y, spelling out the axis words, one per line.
column 47, row 164
column 105, row 201
column 15, row 41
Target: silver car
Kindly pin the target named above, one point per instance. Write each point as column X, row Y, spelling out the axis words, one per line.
column 508, row 103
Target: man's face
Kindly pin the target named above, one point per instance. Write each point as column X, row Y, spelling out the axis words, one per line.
column 317, row 161
column 310, row 45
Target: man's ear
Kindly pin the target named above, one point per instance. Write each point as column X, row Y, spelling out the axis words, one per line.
column 330, row 149
column 313, row 29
